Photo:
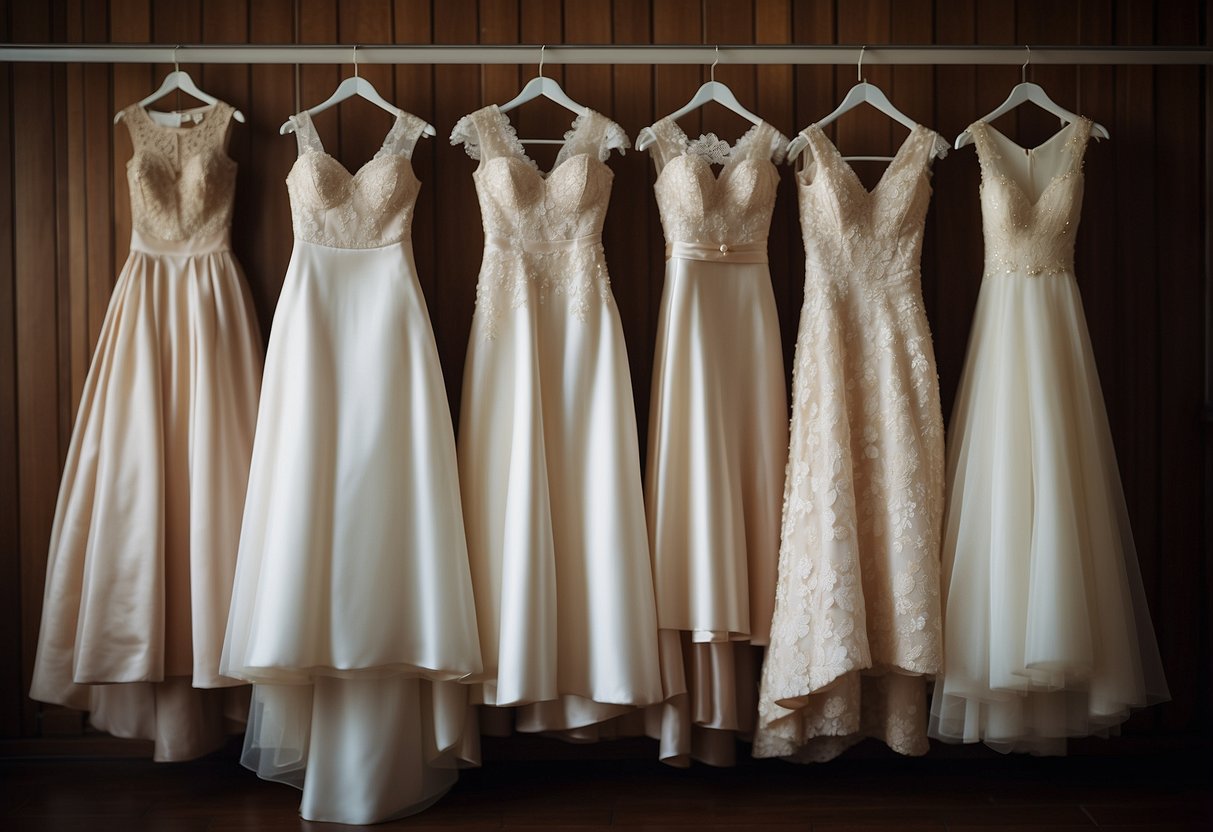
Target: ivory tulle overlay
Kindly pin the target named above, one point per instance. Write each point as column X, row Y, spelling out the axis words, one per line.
column 1047, row 631
column 856, row 630
column 143, row 545
column 717, row 438
column 549, row 459
column 352, row 609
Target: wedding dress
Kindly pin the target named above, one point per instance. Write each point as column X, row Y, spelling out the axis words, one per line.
column 143, row 545
column 1047, row 631
column 856, row 631
column 548, row 452
column 352, row 609
column 718, row 437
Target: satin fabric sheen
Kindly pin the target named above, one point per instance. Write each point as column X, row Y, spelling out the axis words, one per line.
column 143, row 546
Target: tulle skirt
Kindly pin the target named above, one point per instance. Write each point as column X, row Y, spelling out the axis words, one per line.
column 352, row 608
column 143, row 546
column 1047, row 632
column 550, row 472
column 718, row 443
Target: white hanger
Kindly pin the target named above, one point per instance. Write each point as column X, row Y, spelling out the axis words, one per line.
column 861, row 93
column 1023, row 92
column 355, row 85
column 548, row 88
column 713, row 90
column 178, row 79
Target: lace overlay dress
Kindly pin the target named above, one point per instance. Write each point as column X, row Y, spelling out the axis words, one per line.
column 1047, row 630
column 856, row 631
column 143, row 546
column 352, row 609
column 549, row 459
column 718, row 437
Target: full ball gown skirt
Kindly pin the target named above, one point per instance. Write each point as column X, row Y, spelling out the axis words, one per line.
column 352, row 609
column 856, row 631
column 718, row 438
column 143, row 546
column 1047, row 630
column 548, row 451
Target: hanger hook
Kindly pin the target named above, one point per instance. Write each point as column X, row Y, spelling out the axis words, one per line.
column 713, row 69
column 1023, row 70
column 355, row 59
column 859, row 69
column 176, row 66
column 542, row 49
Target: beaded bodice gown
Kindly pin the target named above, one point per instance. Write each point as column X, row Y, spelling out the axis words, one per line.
column 1047, row 630
column 856, row 631
column 143, row 546
column 548, row 449
column 352, row 607
column 718, row 428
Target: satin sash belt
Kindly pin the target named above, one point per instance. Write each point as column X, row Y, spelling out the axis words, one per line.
column 540, row 246
column 211, row 243
column 723, row 253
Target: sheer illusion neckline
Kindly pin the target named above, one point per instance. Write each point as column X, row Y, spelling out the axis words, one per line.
column 846, row 166
column 563, row 155
column 381, row 153
column 994, row 133
column 206, row 110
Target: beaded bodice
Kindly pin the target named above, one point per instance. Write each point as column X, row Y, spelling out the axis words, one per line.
column 699, row 206
column 517, row 200
column 1030, row 229
column 369, row 208
column 181, row 180
column 871, row 235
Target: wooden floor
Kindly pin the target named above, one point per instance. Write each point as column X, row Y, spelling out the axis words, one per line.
column 216, row 795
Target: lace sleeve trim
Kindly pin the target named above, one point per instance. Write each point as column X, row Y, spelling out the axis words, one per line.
column 465, row 134
column 614, row 138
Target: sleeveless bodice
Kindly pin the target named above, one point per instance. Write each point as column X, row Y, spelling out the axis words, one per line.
column 181, row 180
column 851, row 233
column 732, row 208
column 517, row 201
column 1029, row 231
column 367, row 209
column 543, row 232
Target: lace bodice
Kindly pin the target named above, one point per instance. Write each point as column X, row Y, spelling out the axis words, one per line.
column 369, row 208
column 181, row 180
column 1031, row 233
column 699, row 206
column 849, row 231
column 542, row 231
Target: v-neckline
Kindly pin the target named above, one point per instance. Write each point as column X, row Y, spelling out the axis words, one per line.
column 884, row 176
column 1028, row 152
column 378, row 153
column 515, row 143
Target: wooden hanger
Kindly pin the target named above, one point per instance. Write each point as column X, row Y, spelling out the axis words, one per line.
column 543, row 87
column 353, row 86
column 178, row 79
column 1027, row 92
column 713, row 90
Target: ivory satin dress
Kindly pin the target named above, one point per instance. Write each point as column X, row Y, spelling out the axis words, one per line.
column 143, row 546
column 548, row 451
column 718, row 438
column 1047, row 630
column 352, row 609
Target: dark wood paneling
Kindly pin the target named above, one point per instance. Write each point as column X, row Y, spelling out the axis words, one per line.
column 1142, row 259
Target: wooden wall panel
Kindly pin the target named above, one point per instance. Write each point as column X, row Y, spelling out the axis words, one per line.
column 1143, row 248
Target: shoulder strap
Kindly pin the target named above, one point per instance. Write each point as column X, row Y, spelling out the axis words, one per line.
column 987, row 154
column 485, row 134
column 305, row 133
column 402, row 138
column 217, row 122
column 669, row 142
column 1078, row 143
column 762, row 141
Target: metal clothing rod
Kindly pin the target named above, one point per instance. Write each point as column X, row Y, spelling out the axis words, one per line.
column 596, row 54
